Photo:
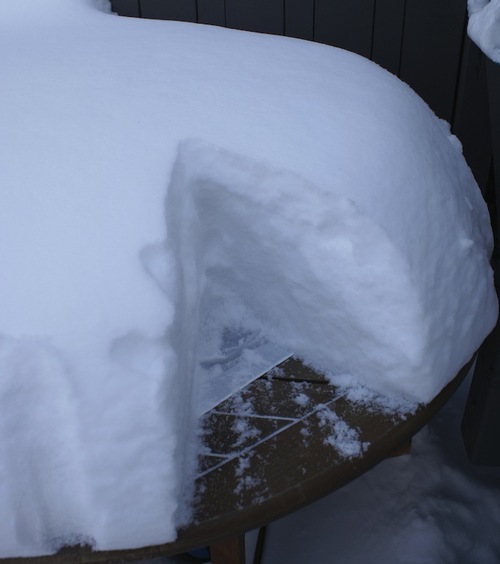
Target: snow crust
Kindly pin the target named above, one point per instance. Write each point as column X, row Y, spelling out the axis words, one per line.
column 183, row 206
column 484, row 26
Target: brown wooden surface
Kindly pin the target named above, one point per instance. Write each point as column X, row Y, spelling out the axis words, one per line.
column 267, row 455
column 229, row 551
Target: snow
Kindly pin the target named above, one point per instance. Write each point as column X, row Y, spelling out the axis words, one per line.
column 429, row 506
column 344, row 439
column 181, row 208
column 484, row 26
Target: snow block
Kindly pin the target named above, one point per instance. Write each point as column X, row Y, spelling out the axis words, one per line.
column 316, row 207
column 323, row 277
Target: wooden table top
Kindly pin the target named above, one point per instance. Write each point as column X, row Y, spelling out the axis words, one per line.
column 270, row 449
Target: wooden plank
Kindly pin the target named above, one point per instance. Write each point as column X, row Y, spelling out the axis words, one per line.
column 229, row 551
column 388, row 33
column 293, row 369
column 471, row 118
column 180, row 10
column 212, row 12
column 266, row 16
column 299, row 19
column 344, row 24
column 227, row 434
column 126, row 7
column 481, row 422
column 272, row 482
column 276, row 398
column 431, row 50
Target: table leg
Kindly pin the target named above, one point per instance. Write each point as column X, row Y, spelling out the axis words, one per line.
column 402, row 450
column 229, row 551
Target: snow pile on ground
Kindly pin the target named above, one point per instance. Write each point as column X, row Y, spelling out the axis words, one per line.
column 484, row 26
column 180, row 204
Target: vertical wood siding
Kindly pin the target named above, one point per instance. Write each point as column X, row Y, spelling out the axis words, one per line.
column 266, row 16
column 348, row 25
column 212, row 12
column 388, row 25
column 184, row 10
column 126, row 7
column 493, row 73
column 471, row 121
column 431, row 50
column 299, row 19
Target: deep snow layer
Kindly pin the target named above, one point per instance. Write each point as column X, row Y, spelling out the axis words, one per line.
column 180, row 204
column 430, row 506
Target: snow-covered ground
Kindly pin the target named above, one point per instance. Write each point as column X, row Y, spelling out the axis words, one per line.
column 182, row 206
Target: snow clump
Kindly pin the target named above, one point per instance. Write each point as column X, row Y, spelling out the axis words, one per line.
column 484, row 26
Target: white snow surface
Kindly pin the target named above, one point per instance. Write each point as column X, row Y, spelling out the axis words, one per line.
column 484, row 26
column 182, row 206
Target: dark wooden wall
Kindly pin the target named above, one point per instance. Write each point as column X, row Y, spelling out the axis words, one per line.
column 424, row 42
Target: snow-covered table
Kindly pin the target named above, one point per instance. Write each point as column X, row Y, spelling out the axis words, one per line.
column 178, row 204
column 286, row 440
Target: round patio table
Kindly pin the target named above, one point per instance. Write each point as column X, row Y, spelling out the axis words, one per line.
column 268, row 452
